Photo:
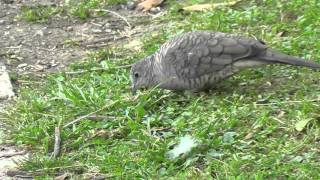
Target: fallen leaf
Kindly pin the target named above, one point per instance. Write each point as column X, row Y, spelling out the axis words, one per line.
column 102, row 133
column 247, row 157
column 207, row 7
column 297, row 159
column 228, row 137
column 302, row 124
column 281, row 114
column 187, row 143
column 115, row 133
column 248, row 136
column 281, row 33
column 38, row 67
column 148, row 4
column 215, row 154
column 268, row 84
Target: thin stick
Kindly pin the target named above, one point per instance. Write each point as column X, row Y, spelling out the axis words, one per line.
column 289, row 102
column 97, row 45
column 59, row 167
column 6, row 54
column 94, row 43
column 98, row 69
column 114, row 13
column 97, row 41
column 88, row 115
column 12, row 154
column 99, row 117
column 13, row 47
column 17, row 173
column 57, row 142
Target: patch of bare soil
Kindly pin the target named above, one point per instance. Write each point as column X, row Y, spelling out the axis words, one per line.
column 50, row 46
column 44, row 47
column 9, row 157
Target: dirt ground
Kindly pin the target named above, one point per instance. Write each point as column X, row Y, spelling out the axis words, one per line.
column 38, row 47
column 43, row 47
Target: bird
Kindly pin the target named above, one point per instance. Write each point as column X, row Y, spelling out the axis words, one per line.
column 198, row 60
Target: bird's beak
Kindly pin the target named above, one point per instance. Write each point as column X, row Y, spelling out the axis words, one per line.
column 133, row 90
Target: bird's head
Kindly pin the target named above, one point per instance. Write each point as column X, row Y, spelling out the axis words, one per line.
column 142, row 74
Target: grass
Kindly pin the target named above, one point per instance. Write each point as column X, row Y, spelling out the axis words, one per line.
column 246, row 129
column 80, row 9
column 39, row 14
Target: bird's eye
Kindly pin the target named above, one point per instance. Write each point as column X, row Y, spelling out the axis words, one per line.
column 136, row 75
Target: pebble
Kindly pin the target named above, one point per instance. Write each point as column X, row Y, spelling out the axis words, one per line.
column 38, row 67
column 96, row 30
column 22, row 65
column 69, row 28
column 2, row 22
column 39, row 33
column 108, row 30
column 131, row 5
column 53, row 63
column 106, row 25
column 155, row 10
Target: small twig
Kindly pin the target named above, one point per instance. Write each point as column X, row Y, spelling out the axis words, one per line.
column 93, row 44
column 18, row 173
column 38, row 171
column 90, row 114
column 288, row 102
column 97, row 41
column 96, row 24
column 278, row 120
column 98, row 176
column 97, row 45
column 98, row 69
column 6, row 54
column 45, row 49
column 13, row 47
column 99, row 117
column 57, row 142
column 12, row 154
column 114, row 13
column 27, row 82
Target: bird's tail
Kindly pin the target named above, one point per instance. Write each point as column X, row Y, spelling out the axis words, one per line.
column 273, row 56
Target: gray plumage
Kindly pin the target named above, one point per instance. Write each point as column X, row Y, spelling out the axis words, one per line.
column 197, row 60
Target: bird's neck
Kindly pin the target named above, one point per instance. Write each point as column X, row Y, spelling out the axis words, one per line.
column 151, row 73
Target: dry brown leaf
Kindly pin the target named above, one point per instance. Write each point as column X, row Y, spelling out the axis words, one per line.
column 207, row 7
column 281, row 33
column 115, row 133
column 148, row 4
column 102, row 133
column 281, row 114
column 248, row 136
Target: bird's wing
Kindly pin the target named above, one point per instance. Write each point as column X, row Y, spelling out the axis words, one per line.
column 196, row 54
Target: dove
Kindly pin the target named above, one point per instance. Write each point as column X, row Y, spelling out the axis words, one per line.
column 197, row 61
